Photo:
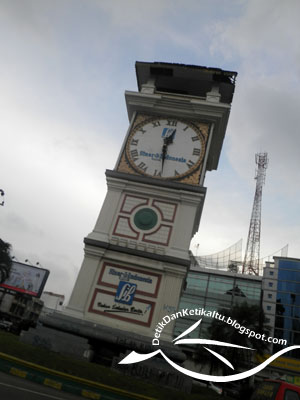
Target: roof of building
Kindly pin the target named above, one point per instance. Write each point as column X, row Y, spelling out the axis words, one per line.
column 186, row 79
column 54, row 294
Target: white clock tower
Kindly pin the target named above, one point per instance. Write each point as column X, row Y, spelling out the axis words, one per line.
column 137, row 256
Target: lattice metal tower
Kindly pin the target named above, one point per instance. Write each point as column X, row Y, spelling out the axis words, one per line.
column 251, row 260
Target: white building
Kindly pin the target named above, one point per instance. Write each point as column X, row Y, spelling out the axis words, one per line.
column 53, row 301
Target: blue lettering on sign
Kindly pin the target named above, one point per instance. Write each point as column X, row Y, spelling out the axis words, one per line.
column 128, row 276
column 157, row 156
column 125, row 292
column 154, row 156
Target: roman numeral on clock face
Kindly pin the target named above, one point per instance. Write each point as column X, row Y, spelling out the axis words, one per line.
column 194, row 138
column 171, row 122
column 134, row 154
column 134, row 142
column 190, row 163
column 196, row 152
column 157, row 173
column 155, row 124
column 143, row 166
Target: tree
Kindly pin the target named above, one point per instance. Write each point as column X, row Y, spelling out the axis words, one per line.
column 5, row 260
column 249, row 317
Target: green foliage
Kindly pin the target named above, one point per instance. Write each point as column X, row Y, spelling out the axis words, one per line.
column 5, row 260
column 249, row 316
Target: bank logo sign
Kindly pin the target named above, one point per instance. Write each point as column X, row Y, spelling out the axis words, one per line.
column 134, row 357
column 125, row 292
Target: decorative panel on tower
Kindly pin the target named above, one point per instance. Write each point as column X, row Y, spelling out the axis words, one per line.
column 144, row 219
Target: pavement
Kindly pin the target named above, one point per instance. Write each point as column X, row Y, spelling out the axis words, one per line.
column 15, row 388
column 65, row 382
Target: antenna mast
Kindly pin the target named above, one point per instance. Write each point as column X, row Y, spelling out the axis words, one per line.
column 251, row 260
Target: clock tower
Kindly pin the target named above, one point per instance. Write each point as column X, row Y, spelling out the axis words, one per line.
column 137, row 256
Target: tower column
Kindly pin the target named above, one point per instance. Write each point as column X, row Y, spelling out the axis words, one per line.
column 137, row 256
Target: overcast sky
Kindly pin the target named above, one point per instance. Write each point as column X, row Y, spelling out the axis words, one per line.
column 65, row 65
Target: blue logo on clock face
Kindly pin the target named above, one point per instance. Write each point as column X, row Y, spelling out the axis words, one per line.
column 168, row 132
column 125, row 292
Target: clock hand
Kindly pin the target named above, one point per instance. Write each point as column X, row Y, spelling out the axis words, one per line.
column 164, row 153
column 167, row 140
column 171, row 137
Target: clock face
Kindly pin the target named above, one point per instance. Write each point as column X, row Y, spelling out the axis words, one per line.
column 165, row 148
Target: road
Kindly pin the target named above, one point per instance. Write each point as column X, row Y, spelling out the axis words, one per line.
column 14, row 388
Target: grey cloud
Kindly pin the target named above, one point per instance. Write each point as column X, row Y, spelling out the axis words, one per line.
column 19, row 223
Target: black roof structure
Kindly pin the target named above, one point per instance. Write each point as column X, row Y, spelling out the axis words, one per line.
column 185, row 79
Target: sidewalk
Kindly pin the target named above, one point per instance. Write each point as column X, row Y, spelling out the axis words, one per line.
column 61, row 381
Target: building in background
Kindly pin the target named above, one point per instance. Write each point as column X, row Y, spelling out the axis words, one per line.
column 212, row 290
column 213, row 287
column 281, row 303
column 52, row 301
column 22, row 311
column 282, row 300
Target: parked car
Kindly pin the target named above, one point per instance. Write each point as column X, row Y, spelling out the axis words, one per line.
column 276, row 390
column 6, row 325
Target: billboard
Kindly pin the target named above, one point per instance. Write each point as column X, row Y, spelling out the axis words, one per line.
column 26, row 279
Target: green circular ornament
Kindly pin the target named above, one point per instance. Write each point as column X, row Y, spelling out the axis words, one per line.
column 145, row 219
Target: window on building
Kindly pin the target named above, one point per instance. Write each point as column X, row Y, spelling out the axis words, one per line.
column 270, row 295
column 182, row 325
column 220, row 285
column 270, row 284
column 191, row 303
column 271, row 273
column 291, row 299
column 269, row 308
column 197, row 282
